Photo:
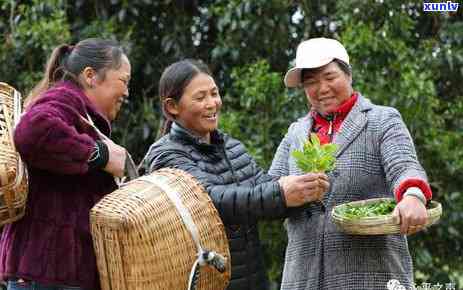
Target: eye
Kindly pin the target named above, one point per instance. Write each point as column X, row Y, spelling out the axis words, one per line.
column 309, row 82
column 126, row 82
column 215, row 94
column 331, row 76
column 200, row 96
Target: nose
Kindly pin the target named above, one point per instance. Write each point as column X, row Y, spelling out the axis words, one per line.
column 211, row 102
column 323, row 89
column 126, row 92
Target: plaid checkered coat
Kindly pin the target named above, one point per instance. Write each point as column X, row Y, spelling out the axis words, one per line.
column 375, row 154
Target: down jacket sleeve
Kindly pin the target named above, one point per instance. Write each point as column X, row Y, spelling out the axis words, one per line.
column 236, row 204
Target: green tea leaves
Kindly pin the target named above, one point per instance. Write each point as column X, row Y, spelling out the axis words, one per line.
column 375, row 209
column 315, row 157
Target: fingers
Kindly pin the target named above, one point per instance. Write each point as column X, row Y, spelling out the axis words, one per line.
column 396, row 215
column 314, row 186
column 309, row 195
column 324, row 185
column 404, row 225
column 314, row 194
column 304, row 188
column 413, row 229
column 309, row 177
column 310, row 186
column 323, row 176
column 413, row 215
column 314, row 176
column 313, row 180
column 116, row 160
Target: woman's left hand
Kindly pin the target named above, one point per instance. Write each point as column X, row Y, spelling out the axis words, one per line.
column 411, row 213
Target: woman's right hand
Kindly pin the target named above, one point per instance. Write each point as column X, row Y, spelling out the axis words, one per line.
column 116, row 160
column 302, row 189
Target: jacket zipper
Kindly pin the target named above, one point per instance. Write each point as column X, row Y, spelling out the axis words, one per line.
column 330, row 119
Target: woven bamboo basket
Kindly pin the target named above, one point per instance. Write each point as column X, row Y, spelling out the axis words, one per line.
column 378, row 225
column 13, row 175
column 143, row 236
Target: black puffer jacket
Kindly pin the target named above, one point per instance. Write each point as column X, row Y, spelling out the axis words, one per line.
column 241, row 191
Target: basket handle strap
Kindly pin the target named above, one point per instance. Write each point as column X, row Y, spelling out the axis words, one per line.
column 181, row 209
column 130, row 167
column 205, row 257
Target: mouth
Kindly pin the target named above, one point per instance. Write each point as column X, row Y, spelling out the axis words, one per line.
column 211, row 117
column 121, row 101
column 326, row 100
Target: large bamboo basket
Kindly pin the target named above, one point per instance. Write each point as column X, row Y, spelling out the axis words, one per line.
column 378, row 225
column 13, row 176
column 142, row 241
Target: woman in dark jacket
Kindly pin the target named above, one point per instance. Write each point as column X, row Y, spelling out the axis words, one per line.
column 70, row 168
column 241, row 191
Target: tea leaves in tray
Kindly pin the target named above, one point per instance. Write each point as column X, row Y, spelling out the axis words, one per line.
column 375, row 209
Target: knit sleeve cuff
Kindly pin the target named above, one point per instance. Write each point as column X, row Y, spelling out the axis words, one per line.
column 99, row 157
column 413, row 182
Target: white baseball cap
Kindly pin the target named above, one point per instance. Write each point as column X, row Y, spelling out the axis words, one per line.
column 313, row 53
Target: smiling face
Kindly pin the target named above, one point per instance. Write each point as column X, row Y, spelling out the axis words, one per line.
column 108, row 93
column 199, row 107
column 327, row 87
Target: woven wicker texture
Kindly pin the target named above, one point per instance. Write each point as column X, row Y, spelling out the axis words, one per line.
column 141, row 241
column 13, row 177
column 378, row 225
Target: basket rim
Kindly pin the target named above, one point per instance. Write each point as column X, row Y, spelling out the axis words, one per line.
column 6, row 86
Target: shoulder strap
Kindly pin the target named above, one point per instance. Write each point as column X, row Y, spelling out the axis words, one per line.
column 130, row 168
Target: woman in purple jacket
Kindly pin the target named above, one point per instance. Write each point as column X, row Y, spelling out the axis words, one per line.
column 70, row 166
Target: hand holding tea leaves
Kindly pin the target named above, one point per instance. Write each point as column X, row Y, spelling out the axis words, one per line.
column 300, row 189
column 315, row 157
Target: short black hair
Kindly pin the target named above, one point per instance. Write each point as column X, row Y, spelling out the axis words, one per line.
column 345, row 67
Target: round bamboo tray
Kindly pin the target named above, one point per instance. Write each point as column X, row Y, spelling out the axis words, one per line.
column 142, row 240
column 378, row 225
column 13, row 175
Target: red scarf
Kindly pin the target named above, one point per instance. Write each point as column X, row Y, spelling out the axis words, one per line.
column 327, row 126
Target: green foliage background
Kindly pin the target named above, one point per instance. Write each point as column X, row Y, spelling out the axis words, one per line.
column 401, row 56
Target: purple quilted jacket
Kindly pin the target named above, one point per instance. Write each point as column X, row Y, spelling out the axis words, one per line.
column 52, row 244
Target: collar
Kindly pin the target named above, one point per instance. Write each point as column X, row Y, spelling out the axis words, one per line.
column 340, row 113
column 182, row 134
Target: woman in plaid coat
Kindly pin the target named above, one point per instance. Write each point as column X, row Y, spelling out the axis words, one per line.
column 375, row 158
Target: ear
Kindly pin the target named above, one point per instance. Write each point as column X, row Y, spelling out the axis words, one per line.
column 171, row 106
column 89, row 76
column 351, row 88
